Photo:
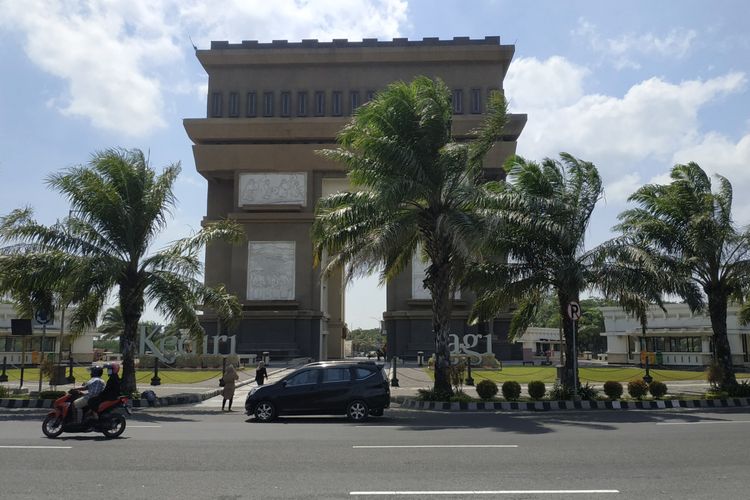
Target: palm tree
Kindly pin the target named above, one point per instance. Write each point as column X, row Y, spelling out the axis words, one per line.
column 535, row 243
column 416, row 193
column 688, row 230
column 119, row 206
column 112, row 324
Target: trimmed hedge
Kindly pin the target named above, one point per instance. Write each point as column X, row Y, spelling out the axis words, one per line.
column 637, row 389
column 657, row 389
column 536, row 389
column 613, row 389
column 511, row 390
column 487, row 389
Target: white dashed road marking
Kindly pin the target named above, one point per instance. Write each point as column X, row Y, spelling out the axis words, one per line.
column 39, row 447
column 706, row 422
column 438, row 446
column 485, row 492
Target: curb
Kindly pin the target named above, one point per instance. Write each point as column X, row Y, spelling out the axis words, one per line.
column 175, row 399
column 412, row 403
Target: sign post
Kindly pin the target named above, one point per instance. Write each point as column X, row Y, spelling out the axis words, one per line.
column 42, row 317
column 574, row 313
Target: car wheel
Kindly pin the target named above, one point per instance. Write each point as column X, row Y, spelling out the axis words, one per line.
column 52, row 426
column 114, row 426
column 377, row 412
column 265, row 412
column 357, row 411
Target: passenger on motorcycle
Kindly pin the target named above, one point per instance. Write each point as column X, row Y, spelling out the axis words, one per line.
column 93, row 387
column 111, row 391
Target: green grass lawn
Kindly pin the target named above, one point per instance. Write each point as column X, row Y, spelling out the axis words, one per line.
column 548, row 374
column 31, row 376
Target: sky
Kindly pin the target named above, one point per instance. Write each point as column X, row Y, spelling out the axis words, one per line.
column 634, row 87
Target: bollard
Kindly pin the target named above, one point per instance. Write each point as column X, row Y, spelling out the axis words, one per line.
column 469, row 380
column 266, row 357
column 71, row 378
column 420, row 358
column 394, row 378
column 155, row 380
column 4, row 377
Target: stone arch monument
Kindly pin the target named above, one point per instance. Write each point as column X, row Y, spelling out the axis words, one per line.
column 269, row 107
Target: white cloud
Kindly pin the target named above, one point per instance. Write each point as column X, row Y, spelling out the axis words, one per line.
column 120, row 60
column 554, row 82
column 619, row 190
column 620, row 50
column 652, row 120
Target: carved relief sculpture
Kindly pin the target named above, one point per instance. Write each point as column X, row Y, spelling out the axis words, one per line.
column 272, row 189
column 270, row 270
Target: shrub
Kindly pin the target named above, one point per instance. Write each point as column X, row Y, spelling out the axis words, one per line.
column 511, row 390
column 456, row 373
column 657, row 389
column 432, row 395
column 637, row 389
column 51, row 394
column 715, row 374
column 741, row 390
column 460, row 397
column 613, row 389
column 587, row 392
column 560, row 392
column 536, row 389
column 487, row 389
column 4, row 392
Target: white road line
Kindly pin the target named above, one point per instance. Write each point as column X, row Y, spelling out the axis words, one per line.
column 39, row 447
column 706, row 422
column 484, row 492
column 143, row 426
column 437, row 446
column 420, row 426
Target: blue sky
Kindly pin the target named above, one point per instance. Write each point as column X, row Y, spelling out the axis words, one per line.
column 632, row 86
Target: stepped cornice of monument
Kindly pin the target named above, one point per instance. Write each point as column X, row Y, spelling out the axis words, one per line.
column 366, row 42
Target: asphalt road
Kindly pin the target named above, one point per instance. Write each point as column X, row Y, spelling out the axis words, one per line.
column 201, row 452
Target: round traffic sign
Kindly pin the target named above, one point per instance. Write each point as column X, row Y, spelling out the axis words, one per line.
column 574, row 311
column 43, row 317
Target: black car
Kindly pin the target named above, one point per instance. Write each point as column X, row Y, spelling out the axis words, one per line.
column 357, row 389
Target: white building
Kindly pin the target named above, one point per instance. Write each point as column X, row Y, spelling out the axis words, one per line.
column 537, row 341
column 682, row 338
column 12, row 347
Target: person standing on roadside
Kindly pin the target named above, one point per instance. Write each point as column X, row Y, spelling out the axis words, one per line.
column 230, row 377
column 261, row 375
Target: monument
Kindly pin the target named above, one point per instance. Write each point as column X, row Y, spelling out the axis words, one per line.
column 270, row 106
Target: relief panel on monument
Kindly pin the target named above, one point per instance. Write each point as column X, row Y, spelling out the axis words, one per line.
column 270, row 270
column 272, row 189
column 418, row 268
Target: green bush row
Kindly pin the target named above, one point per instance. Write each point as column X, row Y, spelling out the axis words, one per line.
column 511, row 390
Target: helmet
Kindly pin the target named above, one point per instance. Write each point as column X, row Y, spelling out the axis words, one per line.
column 112, row 368
column 96, row 371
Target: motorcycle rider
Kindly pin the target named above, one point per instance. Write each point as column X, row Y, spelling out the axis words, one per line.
column 93, row 387
column 111, row 390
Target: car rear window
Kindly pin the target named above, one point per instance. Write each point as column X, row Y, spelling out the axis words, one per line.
column 363, row 373
column 336, row 375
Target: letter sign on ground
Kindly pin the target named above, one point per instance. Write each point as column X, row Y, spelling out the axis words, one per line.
column 574, row 311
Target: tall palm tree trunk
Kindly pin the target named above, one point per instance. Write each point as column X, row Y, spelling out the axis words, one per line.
column 568, row 376
column 439, row 285
column 131, row 304
column 717, row 309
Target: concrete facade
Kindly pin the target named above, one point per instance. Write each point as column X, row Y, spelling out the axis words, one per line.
column 270, row 107
column 683, row 338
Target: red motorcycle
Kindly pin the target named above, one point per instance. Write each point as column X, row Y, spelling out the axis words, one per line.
column 111, row 421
